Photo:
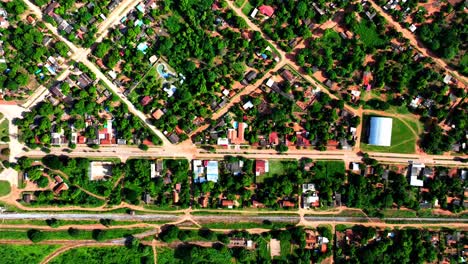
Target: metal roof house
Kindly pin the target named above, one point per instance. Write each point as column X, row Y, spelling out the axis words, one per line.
column 380, row 131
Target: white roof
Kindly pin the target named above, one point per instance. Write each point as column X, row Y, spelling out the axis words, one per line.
column 254, row 13
column 225, row 92
column 247, row 105
column 356, row 93
column 447, row 79
column 414, row 181
column 412, row 28
column 112, row 74
column 380, row 131
column 223, row 141
column 356, row 166
column 270, row 82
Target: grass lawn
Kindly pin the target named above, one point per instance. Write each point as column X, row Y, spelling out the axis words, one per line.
column 285, row 248
column 398, row 213
column 4, row 129
column 247, row 9
column 4, row 188
column 244, row 225
column 25, row 253
column 403, row 139
column 239, row 3
column 368, row 34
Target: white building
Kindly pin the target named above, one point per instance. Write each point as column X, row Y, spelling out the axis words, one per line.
column 380, row 131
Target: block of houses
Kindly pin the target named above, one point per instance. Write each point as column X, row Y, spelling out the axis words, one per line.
column 261, row 167
column 206, row 170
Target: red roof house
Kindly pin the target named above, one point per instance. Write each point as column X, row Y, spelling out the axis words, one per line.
column 81, row 140
column 260, row 167
column 227, row 203
column 273, row 138
column 146, row 100
column 266, row 10
column 287, row 203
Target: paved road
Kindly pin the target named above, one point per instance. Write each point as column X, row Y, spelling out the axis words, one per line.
column 218, row 218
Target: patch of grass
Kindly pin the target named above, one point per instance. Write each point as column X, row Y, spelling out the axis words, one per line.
column 368, row 34
column 4, row 130
column 5, row 188
column 403, row 139
column 285, row 247
column 398, row 213
column 245, row 225
column 239, row 3
column 21, row 234
column 247, row 9
column 25, row 253
column 166, row 256
column 276, row 167
column 113, row 254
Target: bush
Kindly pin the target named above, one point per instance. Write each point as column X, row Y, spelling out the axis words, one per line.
column 35, row 235
column 143, row 147
column 42, row 182
column 169, row 234
column 73, row 232
column 105, row 221
column 6, row 152
column 99, row 234
column 53, row 222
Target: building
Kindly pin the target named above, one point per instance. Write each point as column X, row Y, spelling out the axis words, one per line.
column 156, row 169
column 415, row 170
column 310, row 196
column 145, row 100
column 261, row 167
column 212, row 172
column 380, row 131
column 236, row 136
column 227, row 203
column 266, row 10
column 249, row 77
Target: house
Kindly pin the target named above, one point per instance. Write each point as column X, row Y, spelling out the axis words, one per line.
column 3, row 19
column 146, row 100
column 173, row 138
column 273, row 139
column 146, row 198
column 266, row 10
column 287, row 204
column 27, row 197
column 249, row 77
column 157, row 169
column 60, row 187
column 355, row 167
column 254, row 13
column 227, row 203
column 248, row 105
column 261, row 167
column 235, row 167
column 414, row 171
column 288, row 76
column 412, row 28
column 236, row 136
column 31, row 19
column 447, row 78
column 311, row 238
column 55, row 90
column 310, row 196
column 46, row 40
column 157, row 114
column 49, row 10
column 212, row 172
column 84, row 81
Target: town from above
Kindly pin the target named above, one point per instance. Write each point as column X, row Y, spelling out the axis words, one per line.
column 233, row 131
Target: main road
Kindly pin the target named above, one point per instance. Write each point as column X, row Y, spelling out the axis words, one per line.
column 225, row 218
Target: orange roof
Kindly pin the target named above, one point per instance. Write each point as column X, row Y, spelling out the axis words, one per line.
column 226, row 203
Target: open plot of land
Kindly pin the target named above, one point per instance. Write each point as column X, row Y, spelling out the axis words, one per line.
column 403, row 138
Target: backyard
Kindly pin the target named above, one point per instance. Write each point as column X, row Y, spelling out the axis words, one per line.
column 368, row 34
column 4, row 188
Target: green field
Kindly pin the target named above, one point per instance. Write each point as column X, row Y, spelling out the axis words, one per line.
column 4, row 188
column 403, row 139
column 368, row 34
column 332, row 167
column 245, row 225
column 98, row 255
column 25, row 253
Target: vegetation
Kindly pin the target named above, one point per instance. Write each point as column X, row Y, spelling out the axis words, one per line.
column 109, row 254
column 5, row 188
column 25, row 253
